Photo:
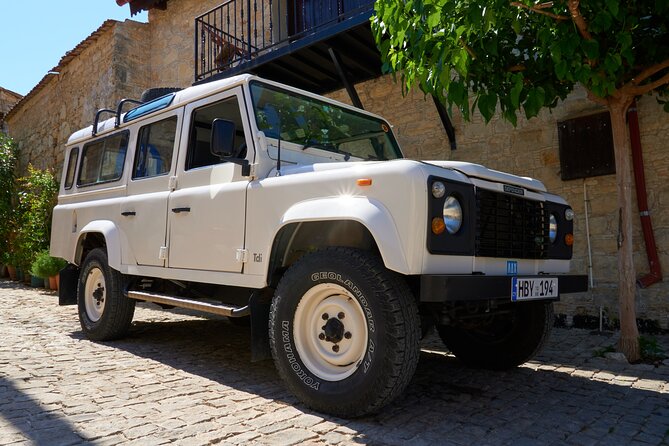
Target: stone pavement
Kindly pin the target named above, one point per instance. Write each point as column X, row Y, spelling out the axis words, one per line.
column 188, row 380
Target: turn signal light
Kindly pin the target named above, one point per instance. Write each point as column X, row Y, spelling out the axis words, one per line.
column 364, row 182
column 569, row 239
column 438, row 225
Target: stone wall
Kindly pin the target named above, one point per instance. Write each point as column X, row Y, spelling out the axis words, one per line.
column 109, row 65
column 7, row 100
column 172, row 34
column 531, row 149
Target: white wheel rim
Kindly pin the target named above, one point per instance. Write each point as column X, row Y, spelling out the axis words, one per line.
column 333, row 307
column 95, row 294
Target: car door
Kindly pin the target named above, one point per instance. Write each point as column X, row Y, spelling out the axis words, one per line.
column 144, row 211
column 207, row 209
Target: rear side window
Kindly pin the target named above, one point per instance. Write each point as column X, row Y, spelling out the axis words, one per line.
column 71, row 167
column 102, row 161
column 155, row 145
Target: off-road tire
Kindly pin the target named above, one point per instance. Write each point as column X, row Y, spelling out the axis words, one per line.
column 379, row 310
column 104, row 312
column 504, row 341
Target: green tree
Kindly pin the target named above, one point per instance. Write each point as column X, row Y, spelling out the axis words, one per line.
column 524, row 56
column 7, row 167
column 37, row 195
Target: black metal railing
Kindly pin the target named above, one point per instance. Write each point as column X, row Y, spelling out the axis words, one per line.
column 240, row 30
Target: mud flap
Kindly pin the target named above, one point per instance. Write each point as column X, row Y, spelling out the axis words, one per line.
column 67, row 290
column 260, row 303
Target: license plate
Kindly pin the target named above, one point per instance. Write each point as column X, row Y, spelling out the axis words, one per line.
column 533, row 288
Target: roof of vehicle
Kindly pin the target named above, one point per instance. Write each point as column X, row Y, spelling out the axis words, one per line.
column 188, row 95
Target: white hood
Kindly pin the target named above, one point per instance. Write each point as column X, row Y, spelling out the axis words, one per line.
column 478, row 171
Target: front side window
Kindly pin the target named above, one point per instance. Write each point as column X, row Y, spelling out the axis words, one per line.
column 199, row 147
column 71, row 167
column 155, row 145
column 102, row 161
column 318, row 124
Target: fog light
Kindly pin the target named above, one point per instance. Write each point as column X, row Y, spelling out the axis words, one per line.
column 438, row 189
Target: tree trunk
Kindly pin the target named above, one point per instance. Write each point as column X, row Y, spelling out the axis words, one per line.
column 629, row 333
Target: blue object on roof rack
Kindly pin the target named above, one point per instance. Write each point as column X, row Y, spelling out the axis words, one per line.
column 144, row 109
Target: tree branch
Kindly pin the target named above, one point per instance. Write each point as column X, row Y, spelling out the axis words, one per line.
column 578, row 19
column 467, row 48
column 646, row 88
column 539, row 9
column 648, row 72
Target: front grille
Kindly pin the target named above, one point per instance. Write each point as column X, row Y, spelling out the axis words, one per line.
column 510, row 226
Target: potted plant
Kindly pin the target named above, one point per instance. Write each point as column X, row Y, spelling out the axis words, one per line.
column 47, row 267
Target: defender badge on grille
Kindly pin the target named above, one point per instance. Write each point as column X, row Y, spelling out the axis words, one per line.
column 514, row 190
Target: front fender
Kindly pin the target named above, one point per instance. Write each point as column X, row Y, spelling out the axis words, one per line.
column 369, row 212
column 112, row 237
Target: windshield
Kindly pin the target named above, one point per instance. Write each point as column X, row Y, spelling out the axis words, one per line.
column 316, row 124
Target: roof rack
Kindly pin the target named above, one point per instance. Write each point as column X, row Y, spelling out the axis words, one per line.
column 116, row 113
column 142, row 109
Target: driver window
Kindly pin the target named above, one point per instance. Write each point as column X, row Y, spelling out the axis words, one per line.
column 199, row 146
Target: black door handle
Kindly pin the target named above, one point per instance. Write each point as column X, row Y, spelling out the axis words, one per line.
column 180, row 210
column 128, row 213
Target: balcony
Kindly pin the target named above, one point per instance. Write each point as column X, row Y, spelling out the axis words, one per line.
column 318, row 45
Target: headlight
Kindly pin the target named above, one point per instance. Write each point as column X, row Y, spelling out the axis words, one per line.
column 552, row 228
column 452, row 214
column 438, row 189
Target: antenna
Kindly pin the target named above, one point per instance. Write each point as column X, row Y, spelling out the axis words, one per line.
column 278, row 147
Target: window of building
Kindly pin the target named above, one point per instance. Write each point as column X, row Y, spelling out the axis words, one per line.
column 71, row 167
column 586, row 147
column 155, row 146
column 102, row 160
column 199, row 148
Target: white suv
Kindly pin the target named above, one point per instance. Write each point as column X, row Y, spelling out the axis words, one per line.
column 244, row 197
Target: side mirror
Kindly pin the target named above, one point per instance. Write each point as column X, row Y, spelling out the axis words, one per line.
column 222, row 138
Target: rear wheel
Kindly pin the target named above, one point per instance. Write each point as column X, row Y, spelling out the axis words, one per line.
column 104, row 312
column 501, row 341
column 344, row 332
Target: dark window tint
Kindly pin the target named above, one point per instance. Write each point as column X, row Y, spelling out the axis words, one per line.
column 71, row 167
column 155, row 145
column 102, row 161
column 586, row 147
column 199, row 147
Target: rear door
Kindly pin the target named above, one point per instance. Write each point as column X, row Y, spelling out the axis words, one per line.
column 144, row 212
column 207, row 210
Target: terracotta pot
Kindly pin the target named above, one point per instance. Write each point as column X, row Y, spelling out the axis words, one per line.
column 3, row 270
column 12, row 272
column 53, row 282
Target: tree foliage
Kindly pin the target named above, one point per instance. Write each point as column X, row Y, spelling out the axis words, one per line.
column 524, row 56
column 520, row 55
column 8, row 155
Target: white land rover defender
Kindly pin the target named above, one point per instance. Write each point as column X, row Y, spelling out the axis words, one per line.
column 247, row 198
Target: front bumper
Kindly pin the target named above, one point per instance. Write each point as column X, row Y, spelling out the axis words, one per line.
column 450, row 288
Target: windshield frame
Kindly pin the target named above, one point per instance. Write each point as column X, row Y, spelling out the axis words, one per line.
column 392, row 151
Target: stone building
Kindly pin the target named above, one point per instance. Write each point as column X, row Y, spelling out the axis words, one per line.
column 121, row 59
column 7, row 100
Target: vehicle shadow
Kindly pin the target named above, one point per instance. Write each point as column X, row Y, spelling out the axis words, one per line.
column 446, row 402
column 32, row 419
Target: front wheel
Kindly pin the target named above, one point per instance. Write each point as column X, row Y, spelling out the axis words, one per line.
column 344, row 332
column 501, row 341
column 104, row 312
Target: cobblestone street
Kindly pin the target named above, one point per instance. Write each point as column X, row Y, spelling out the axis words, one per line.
column 188, row 380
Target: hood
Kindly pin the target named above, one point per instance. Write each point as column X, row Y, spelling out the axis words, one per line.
column 478, row 171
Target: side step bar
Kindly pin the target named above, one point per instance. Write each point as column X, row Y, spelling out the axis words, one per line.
column 215, row 308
